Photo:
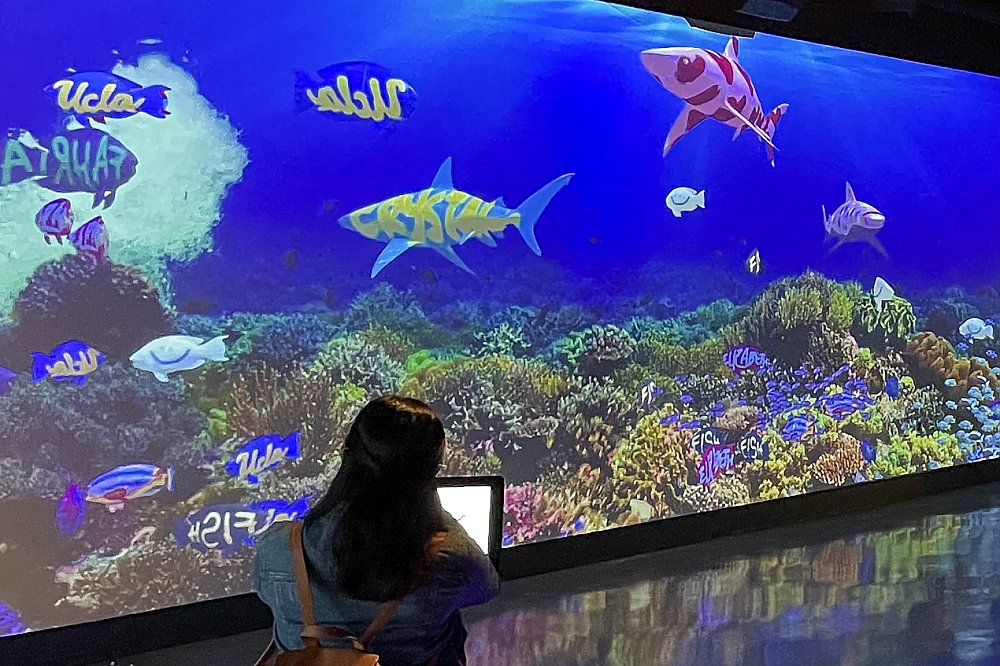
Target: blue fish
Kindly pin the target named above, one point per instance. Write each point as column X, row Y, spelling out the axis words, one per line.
column 71, row 361
column 687, row 398
column 753, row 447
column 100, row 95
column 868, row 451
column 704, row 439
column 10, row 621
column 88, row 160
column 71, row 511
column 262, row 454
column 892, row 387
column 228, row 527
column 355, row 90
column 7, row 378
column 669, row 420
column 991, row 353
column 129, row 482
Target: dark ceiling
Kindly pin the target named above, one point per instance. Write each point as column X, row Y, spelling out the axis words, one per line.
column 963, row 34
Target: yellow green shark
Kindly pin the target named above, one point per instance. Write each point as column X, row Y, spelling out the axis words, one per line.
column 441, row 217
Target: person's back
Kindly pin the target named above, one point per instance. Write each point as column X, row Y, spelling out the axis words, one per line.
column 380, row 533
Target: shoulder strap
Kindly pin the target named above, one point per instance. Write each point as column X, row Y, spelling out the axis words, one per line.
column 306, row 608
column 311, row 633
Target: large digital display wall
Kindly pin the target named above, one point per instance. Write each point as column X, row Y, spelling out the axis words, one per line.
column 641, row 270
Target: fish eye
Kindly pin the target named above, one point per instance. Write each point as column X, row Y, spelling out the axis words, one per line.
column 685, row 61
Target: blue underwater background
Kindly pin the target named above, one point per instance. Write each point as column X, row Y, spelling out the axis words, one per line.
column 595, row 377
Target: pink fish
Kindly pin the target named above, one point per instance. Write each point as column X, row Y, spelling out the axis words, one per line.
column 713, row 86
column 55, row 220
column 92, row 239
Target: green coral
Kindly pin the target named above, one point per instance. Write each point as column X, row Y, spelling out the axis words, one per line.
column 218, row 425
column 843, row 300
column 505, row 340
column 652, row 463
column 800, row 306
column 597, row 351
column 895, row 319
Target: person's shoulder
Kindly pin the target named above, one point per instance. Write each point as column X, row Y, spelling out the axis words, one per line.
column 273, row 549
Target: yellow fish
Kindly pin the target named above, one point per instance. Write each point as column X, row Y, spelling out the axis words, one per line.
column 441, row 217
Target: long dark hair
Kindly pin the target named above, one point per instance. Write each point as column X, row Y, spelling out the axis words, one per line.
column 386, row 489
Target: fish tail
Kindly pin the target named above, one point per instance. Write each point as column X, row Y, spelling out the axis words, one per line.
column 699, row 199
column 214, row 349
column 303, row 82
column 181, row 527
column 294, row 448
column 156, row 101
column 533, row 208
column 38, row 369
column 989, row 332
column 170, row 478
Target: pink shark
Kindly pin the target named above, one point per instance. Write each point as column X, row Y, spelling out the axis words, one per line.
column 713, row 86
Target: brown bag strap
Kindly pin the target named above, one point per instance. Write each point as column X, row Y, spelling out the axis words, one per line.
column 311, row 632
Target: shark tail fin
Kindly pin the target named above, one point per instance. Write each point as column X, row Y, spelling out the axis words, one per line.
column 771, row 126
column 533, row 208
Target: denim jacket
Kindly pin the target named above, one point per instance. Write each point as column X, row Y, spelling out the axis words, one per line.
column 427, row 623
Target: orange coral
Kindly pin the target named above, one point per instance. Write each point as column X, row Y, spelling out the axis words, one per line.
column 842, row 460
column 936, row 356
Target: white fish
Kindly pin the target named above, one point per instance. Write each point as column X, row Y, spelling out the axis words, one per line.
column 685, row 200
column 176, row 353
column 642, row 509
column 976, row 329
column 882, row 292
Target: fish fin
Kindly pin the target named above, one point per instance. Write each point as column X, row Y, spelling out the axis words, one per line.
column 161, row 377
column 676, row 212
column 733, row 49
column 689, row 119
column 500, row 202
column 303, row 82
column 850, row 194
column 989, row 332
column 38, row 371
column 156, row 101
column 826, row 219
column 109, row 198
column 181, row 528
column 836, row 246
column 739, row 132
column 214, row 349
column 699, row 199
column 170, row 478
column 442, row 180
column 393, row 249
column 746, row 121
column 448, row 252
column 773, row 119
column 498, row 234
column 533, row 208
column 486, row 240
column 877, row 245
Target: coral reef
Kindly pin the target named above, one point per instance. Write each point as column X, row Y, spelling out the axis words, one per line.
column 113, row 308
column 934, row 360
column 597, row 351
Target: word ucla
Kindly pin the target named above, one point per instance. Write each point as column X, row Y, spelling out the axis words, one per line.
column 342, row 100
column 107, row 101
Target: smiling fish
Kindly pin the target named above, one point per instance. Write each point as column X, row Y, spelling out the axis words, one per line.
column 685, row 200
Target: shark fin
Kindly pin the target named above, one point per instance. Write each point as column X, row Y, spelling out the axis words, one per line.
column 448, row 252
column 533, row 208
column 442, row 181
column 826, row 220
column 395, row 248
column 746, row 121
column 733, row 49
column 500, row 202
column 850, row 194
column 689, row 119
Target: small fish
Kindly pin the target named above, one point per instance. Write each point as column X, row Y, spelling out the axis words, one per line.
column 92, row 239
column 881, row 293
column 149, row 41
column 648, row 393
column 684, row 200
column 670, row 420
column 951, row 382
column 990, row 353
column 176, row 353
column 71, row 510
column 951, row 404
column 642, row 509
column 262, row 454
column 290, row 260
column 355, row 90
column 705, row 438
column 55, row 220
column 868, row 451
column 753, row 447
column 128, row 482
column 754, row 264
column 594, row 241
column 976, row 329
column 10, row 621
column 687, row 398
column 892, row 387
column 99, row 95
column 71, row 361
column 7, row 378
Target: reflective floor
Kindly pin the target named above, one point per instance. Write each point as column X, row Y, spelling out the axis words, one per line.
column 913, row 584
